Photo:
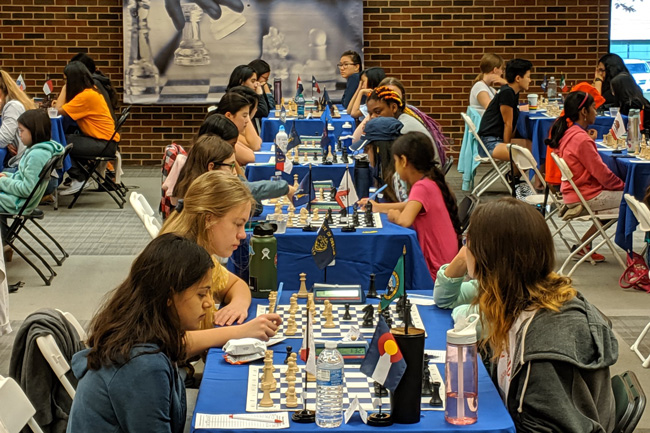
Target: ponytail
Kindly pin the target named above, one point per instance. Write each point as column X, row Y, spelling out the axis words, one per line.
column 573, row 104
column 489, row 61
column 478, row 78
column 558, row 129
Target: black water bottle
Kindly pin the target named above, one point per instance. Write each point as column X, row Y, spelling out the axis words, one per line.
column 362, row 175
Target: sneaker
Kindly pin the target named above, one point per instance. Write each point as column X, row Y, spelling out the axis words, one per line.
column 522, row 191
column 66, row 183
column 75, row 186
column 598, row 258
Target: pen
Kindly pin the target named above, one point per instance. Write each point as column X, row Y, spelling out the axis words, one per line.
column 374, row 194
column 252, row 418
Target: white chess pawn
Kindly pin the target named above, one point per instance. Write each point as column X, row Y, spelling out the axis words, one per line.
column 291, row 399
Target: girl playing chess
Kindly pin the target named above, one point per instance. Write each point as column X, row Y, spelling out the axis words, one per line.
column 601, row 188
column 431, row 208
column 550, row 350
column 213, row 213
column 237, row 108
column 128, row 377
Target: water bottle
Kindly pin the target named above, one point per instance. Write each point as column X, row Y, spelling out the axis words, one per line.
column 300, row 103
column 633, row 130
column 461, row 373
column 362, row 175
column 346, row 135
column 282, row 139
column 277, row 92
column 329, row 387
column 551, row 89
column 263, row 261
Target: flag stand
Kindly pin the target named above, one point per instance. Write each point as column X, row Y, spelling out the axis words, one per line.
column 309, row 227
column 349, row 228
column 305, row 416
column 380, row 419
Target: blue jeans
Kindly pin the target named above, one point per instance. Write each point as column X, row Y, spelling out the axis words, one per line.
column 490, row 143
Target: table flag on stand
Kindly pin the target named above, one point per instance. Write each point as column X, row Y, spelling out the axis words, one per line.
column 294, row 138
column 314, row 84
column 563, row 86
column 282, row 163
column 384, row 361
column 395, row 287
column 304, row 192
column 324, row 249
column 346, row 189
column 544, row 84
column 20, row 82
column 308, row 348
column 299, row 87
column 327, row 115
column 618, row 127
column 325, row 138
column 48, row 87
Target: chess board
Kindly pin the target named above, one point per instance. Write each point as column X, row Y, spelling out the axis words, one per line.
column 337, row 224
column 342, row 326
column 356, row 385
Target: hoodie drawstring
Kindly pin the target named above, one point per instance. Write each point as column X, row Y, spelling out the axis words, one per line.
column 521, row 361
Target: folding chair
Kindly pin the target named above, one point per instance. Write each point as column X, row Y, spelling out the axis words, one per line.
column 601, row 230
column 16, row 411
column 498, row 170
column 75, row 324
column 21, row 218
column 525, row 162
column 56, row 360
column 145, row 213
column 169, row 159
column 629, row 400
column 642, row 214
column 106, row 184
column 465, row 209
column 448, row 164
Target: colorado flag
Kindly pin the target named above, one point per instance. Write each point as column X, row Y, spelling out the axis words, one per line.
column 384, row 362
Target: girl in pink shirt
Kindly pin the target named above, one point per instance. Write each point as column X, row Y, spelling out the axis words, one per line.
column 431, row 207
column 601, row 188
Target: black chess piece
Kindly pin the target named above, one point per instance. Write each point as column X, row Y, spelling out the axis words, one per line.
column 324, row 157
column 399, row 307
column 435, row 401
column 427, row 387
column 372, row 291
column 369, row 217
column 346, row 314
column 330, row 218
column 407, row 313
column 380, row 390
column 343, row 212
column 289, row 349
column 355, row 218
column 344, row 155
column 335, row 158
column 332, row 193
column 368, row 313
column 386, row 314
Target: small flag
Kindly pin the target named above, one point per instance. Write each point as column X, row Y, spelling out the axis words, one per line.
column 327, row 114
column 384, row 361
column 325, row 139
column 304, row 191
column 618, row 127
column 20, row 82
column 282, row 163
column 299, row 88
column 48, row 87
column 395, row 287
column 346, row 189
column 544, row 84
column 294, row 138
column 314, row 84
column 308, row 352
column 324, row 249
column 563, row 85
column 326, row 98
column 283, row 115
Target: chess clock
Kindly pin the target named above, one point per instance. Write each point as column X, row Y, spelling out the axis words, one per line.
column 352, row 352
column 338, row 294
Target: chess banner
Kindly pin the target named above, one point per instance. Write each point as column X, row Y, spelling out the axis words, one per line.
column 183, row 51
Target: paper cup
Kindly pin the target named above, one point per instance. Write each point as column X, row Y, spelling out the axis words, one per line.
column 613, row 111
column 532, row 102
column 52, row 112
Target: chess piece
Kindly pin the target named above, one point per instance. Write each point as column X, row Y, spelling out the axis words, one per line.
column 292, row 328
column 387, row 318
column 295, row 176
column 344, row 155
column 305, row 160
column 343, row 212
column 435, row 401
column 355, row 218
column 278, row 208
column 302, row 292
column 329, row 317
column 314, row 215
column 290, row 220
column 191, row 51
column 266, row 400
column 368, row 313
column 289, row 349
column 268, row 369
column 293, row 303
column 346, row 314
column 295, row 161
column 372, row 291
column 380, row 391
column 320, row 194
column 332, row 193
column 290, row 397
column 142, row 75
column 369, row 217
column 292, row 369
column 427, row 387
column 335, row 159
column 330, row 218
column 324, row 157
column 310, row 300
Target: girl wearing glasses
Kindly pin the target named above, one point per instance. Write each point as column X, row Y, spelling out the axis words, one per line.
column 350, row 66
column 609, row 66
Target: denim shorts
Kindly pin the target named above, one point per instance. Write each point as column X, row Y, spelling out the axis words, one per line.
column 490, row 143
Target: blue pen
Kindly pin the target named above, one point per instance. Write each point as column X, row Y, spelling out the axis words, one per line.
column 374, row 194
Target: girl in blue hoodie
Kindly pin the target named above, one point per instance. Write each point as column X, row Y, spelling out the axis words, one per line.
column 128, row 379
column 35, row 131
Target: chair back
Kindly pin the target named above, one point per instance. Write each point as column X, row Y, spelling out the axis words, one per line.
column 567, row 174
column 448, row 164
column 152, row 225
column 630, row 401
column 470, row 123
column 75, row 324
column 472, row 127
column 120, row 121
column 56, row 360
column 465, row 209
column 523, row 158
column 640, row 211
column 16, row 411
column 37, row 192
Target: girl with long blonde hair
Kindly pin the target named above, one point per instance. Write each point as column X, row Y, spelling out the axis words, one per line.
column 550, row 349
column 214, row 213
column 13, row 103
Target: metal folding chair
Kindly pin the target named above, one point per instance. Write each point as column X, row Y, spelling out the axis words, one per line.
column 498, row 170
column 601, row 230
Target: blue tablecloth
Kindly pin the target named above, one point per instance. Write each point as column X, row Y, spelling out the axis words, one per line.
column 636, row 175
column 271, row 125
column 332, row 172
column 57, row 135
column 223, row 387
column 536, row 127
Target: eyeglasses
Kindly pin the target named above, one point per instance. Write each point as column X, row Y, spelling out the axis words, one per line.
column 345, row 65
column 232, row 165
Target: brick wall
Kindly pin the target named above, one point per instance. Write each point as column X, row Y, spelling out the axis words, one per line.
column 433, row 46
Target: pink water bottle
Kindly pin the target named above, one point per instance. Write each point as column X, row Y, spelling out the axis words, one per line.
column 461, row 373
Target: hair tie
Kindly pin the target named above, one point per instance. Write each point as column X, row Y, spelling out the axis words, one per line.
column 583, row 101
column 569, row 122
column 179, row 205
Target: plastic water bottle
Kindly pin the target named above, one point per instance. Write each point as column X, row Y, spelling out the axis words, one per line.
column 551, row 88
column 461, row 373
column 282, row 139
column 300, row 105
column 329, row 387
